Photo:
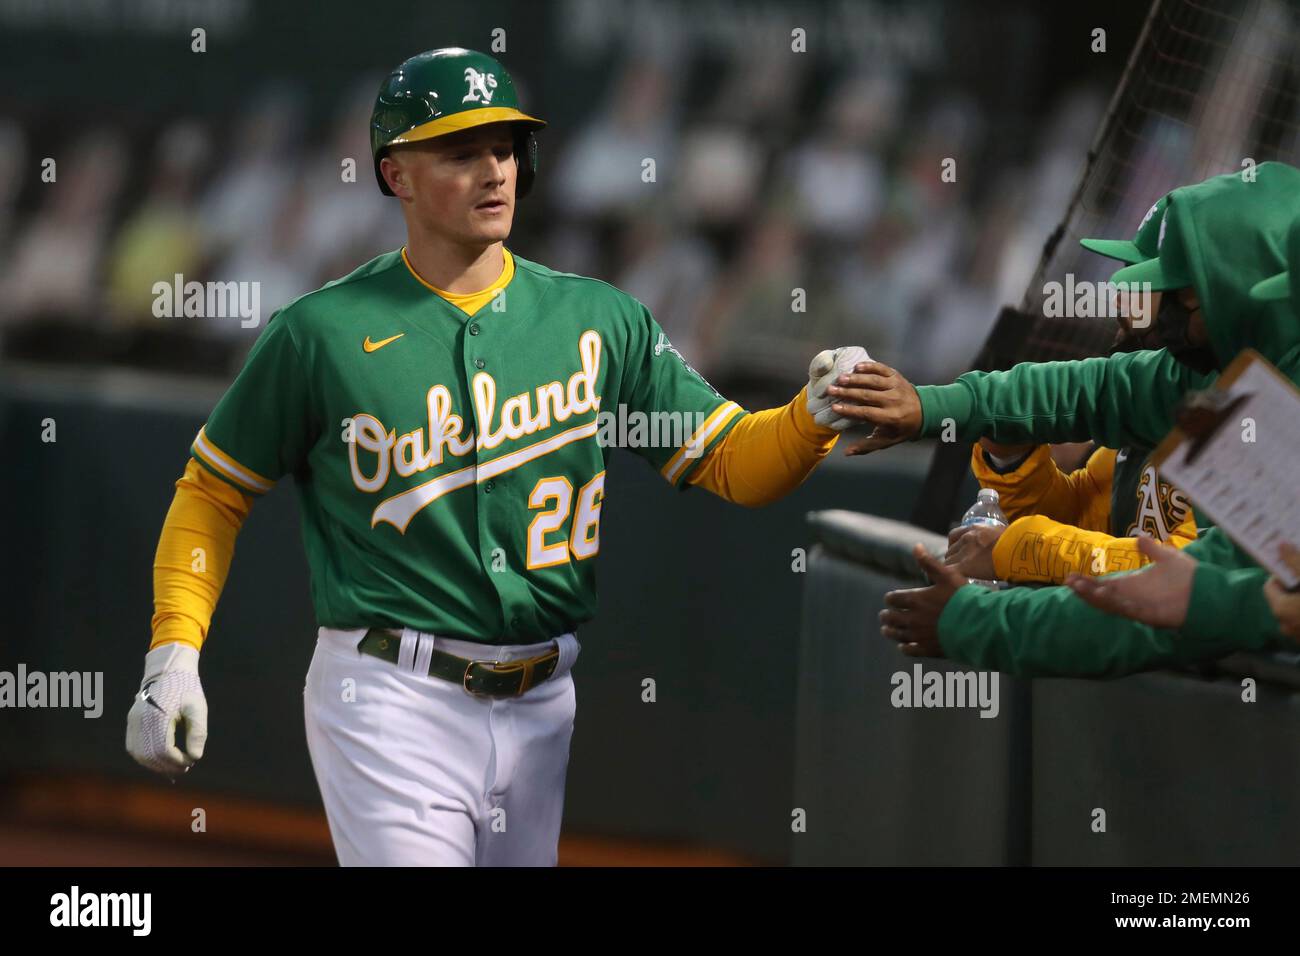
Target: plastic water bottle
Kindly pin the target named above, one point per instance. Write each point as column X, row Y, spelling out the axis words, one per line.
column 985, row 510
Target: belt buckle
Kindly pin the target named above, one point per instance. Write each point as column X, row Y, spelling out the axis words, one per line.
column 497, row 667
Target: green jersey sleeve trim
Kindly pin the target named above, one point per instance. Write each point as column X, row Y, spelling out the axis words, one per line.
column 720, row 421
column 226, row 467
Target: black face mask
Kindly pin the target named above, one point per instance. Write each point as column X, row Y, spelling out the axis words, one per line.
column 1124, row 342
column 1173, row 323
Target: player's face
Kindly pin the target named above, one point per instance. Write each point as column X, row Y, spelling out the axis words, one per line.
column 461, row 185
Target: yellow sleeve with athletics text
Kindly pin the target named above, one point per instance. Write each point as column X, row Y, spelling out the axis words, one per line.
column 1036, row 548
column 1038, row 487
column 194, row 554
column 766, row 455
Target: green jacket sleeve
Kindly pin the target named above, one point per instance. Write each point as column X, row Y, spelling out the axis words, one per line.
column 1123, row 400
column 1214, row 547
column 1051, row 632
column 1229, row 601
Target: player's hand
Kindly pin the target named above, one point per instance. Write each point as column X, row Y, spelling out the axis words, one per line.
column 823, row 370
column 970, row 550
column 876, row 394
column 911, row 617
column 169, row 695
column 1157, row 594
column 1285, row 604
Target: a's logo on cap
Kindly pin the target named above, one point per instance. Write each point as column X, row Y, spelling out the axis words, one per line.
column 480, row 85
column 1150, row 212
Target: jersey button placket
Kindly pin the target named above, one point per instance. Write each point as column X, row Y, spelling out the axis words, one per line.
column 488, row 544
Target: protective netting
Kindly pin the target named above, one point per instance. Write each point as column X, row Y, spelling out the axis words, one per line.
column 1211, row 87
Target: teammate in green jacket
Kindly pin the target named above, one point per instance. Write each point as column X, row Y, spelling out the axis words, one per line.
column 1162, row 596
column 1220, row 238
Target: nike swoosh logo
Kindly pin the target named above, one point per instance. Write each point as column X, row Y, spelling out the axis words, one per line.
column 370, row 346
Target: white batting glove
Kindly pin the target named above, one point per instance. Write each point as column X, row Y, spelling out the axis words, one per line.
column 169, row 694
column 823, row 370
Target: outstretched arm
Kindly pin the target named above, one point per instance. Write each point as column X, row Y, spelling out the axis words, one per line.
column 1122, row 400
column 766, row 455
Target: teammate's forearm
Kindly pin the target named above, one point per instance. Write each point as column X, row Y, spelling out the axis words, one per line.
column 1051, row 632
column 1118, row 401
column 766, row 455
column 194, row 553
column 1038, row 549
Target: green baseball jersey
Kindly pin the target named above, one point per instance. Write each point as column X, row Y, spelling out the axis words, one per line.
column 451, row 468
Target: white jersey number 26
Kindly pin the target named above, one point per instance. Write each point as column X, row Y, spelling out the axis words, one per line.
column 583, row 541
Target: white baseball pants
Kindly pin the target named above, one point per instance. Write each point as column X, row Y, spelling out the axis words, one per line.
column 415, row 771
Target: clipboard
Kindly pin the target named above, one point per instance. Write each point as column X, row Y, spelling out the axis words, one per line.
column 1236, row 453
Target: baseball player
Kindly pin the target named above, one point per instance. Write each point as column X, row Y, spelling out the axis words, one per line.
column 443, row 411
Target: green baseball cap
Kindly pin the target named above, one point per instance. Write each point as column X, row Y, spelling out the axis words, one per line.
column 1279, row 286
column 1169, row 268
column 1142, row 246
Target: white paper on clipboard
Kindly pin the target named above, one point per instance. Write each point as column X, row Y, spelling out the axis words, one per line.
column 1246, row 476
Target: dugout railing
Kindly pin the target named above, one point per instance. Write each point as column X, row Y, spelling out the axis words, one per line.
column 1158, row 769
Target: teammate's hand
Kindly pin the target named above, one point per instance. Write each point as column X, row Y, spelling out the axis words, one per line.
column 1157, row 594
column 1285, row 604
column 876, row 394
column 911, row 617
column 169, row 695
column 970, row 550
column 823, row 370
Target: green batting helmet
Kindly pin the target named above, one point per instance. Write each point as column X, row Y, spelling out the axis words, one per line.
column 443, row 91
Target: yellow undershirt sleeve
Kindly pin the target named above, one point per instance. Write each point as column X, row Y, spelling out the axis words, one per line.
column 194, row 553
column 766, row 455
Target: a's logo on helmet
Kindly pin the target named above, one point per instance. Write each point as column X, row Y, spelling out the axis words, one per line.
column 481, row 86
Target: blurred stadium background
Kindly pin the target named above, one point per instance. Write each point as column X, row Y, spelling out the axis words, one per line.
column 775, row 171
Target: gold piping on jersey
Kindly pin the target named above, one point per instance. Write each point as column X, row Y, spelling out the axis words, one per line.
column 222, row 463
column 692, row 448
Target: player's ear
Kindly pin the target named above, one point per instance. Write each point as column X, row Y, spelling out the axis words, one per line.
column 395, row 174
